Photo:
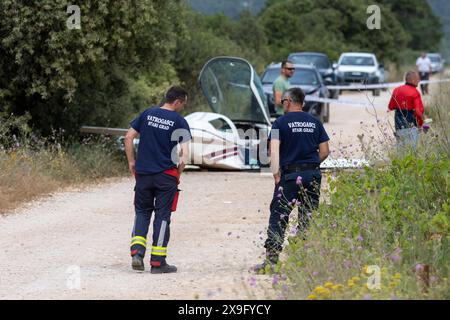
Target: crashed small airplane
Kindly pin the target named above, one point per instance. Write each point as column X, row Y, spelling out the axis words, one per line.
column 234, row 135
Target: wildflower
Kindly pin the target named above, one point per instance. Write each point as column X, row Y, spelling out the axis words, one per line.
column 419, row 267
column 319, row 289
column 395, row 258
column 312, row 297
column 360, row 238
column 252, row 281
column 299, row 180
column 279, row 195
column 347, row 264
column 356, row 279
column 328, row 285
column 365, row 270
column 397, row 276
column 393, row 284
column 337, row 287
column 315, row 274
column 275, row 280
column 350, row 283
column 280, row 189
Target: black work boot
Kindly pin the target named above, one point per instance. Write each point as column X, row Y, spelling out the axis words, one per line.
column 164, row 268
column 137, row 263
column 269, row 264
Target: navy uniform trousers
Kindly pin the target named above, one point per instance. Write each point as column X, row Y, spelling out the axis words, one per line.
column 153, row 193
column 307, row 193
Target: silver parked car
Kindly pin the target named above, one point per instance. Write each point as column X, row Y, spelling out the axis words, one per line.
column 437, row 63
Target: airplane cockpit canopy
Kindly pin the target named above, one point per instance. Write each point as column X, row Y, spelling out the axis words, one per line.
column 233, row 89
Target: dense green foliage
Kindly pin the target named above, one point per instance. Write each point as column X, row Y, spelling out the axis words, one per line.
column 127, row 53
column 441, row 8
column 331, row 27
column 231, row 8
column 417, row 17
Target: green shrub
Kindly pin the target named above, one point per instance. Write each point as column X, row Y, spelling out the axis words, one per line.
column 395, row 216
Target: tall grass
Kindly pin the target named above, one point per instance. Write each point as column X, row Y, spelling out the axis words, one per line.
column 31, row 166
column 384, row 230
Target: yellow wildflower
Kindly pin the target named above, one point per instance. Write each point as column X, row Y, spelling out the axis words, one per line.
column 397, row 276
column 328, row 284
column 312, row 297
column 337, row 287
column 350, row 283
column 393, row 284
column 319, row 289
column 356, row 279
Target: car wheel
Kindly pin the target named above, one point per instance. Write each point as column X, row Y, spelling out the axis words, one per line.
column 376, row 92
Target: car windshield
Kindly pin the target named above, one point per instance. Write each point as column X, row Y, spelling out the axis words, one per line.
column 319, row 62
column 305, row 77
column 434, row 58
column 357, row 61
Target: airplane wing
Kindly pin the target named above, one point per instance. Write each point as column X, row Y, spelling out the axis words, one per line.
column 100, row 130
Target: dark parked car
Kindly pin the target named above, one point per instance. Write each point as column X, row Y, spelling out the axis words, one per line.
column 322, row 63
column 309, row 80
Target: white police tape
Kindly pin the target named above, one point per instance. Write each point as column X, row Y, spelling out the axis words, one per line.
column 310, row 98
column 337, row 101
column 381, row 85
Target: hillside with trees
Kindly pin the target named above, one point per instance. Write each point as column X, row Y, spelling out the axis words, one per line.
column 124, row 57
column 442, row 9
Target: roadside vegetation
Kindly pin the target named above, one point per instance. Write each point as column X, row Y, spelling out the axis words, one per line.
column 384, row 231
column 31, row 166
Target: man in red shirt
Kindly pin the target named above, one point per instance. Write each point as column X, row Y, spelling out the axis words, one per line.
column 408, row 106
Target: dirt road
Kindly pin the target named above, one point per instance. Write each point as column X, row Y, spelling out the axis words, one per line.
column 74, row 244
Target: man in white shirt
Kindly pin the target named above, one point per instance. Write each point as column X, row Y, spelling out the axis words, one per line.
column 423, row 65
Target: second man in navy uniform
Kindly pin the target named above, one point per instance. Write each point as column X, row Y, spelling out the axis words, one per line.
column 298, row 145
column 157, row 171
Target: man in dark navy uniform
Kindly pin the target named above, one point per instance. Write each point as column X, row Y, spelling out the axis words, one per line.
column 157, row 170
column 298, row 145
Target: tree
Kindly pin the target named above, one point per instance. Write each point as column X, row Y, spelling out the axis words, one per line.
column 418, row 19
column 330, row 26
column 64, row 77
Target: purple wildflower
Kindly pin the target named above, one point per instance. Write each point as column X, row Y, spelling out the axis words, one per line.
column 419, row 267
column 252, row 281
column 299, row 180
column 360, row 238
column 348, row 264
column 395, row 258
column 275, row 280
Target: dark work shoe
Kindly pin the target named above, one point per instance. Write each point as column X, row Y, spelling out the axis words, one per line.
column 266, row 267
column 137, row 263
column 166, row 268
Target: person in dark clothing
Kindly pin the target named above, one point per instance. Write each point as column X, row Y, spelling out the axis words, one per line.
column 157, row 171
column 298, row 145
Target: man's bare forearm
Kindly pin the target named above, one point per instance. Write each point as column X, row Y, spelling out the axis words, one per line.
column 129, row 149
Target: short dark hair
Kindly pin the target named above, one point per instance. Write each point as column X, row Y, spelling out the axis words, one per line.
column 285, row 62
column 297, row 95
column 175, row 93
